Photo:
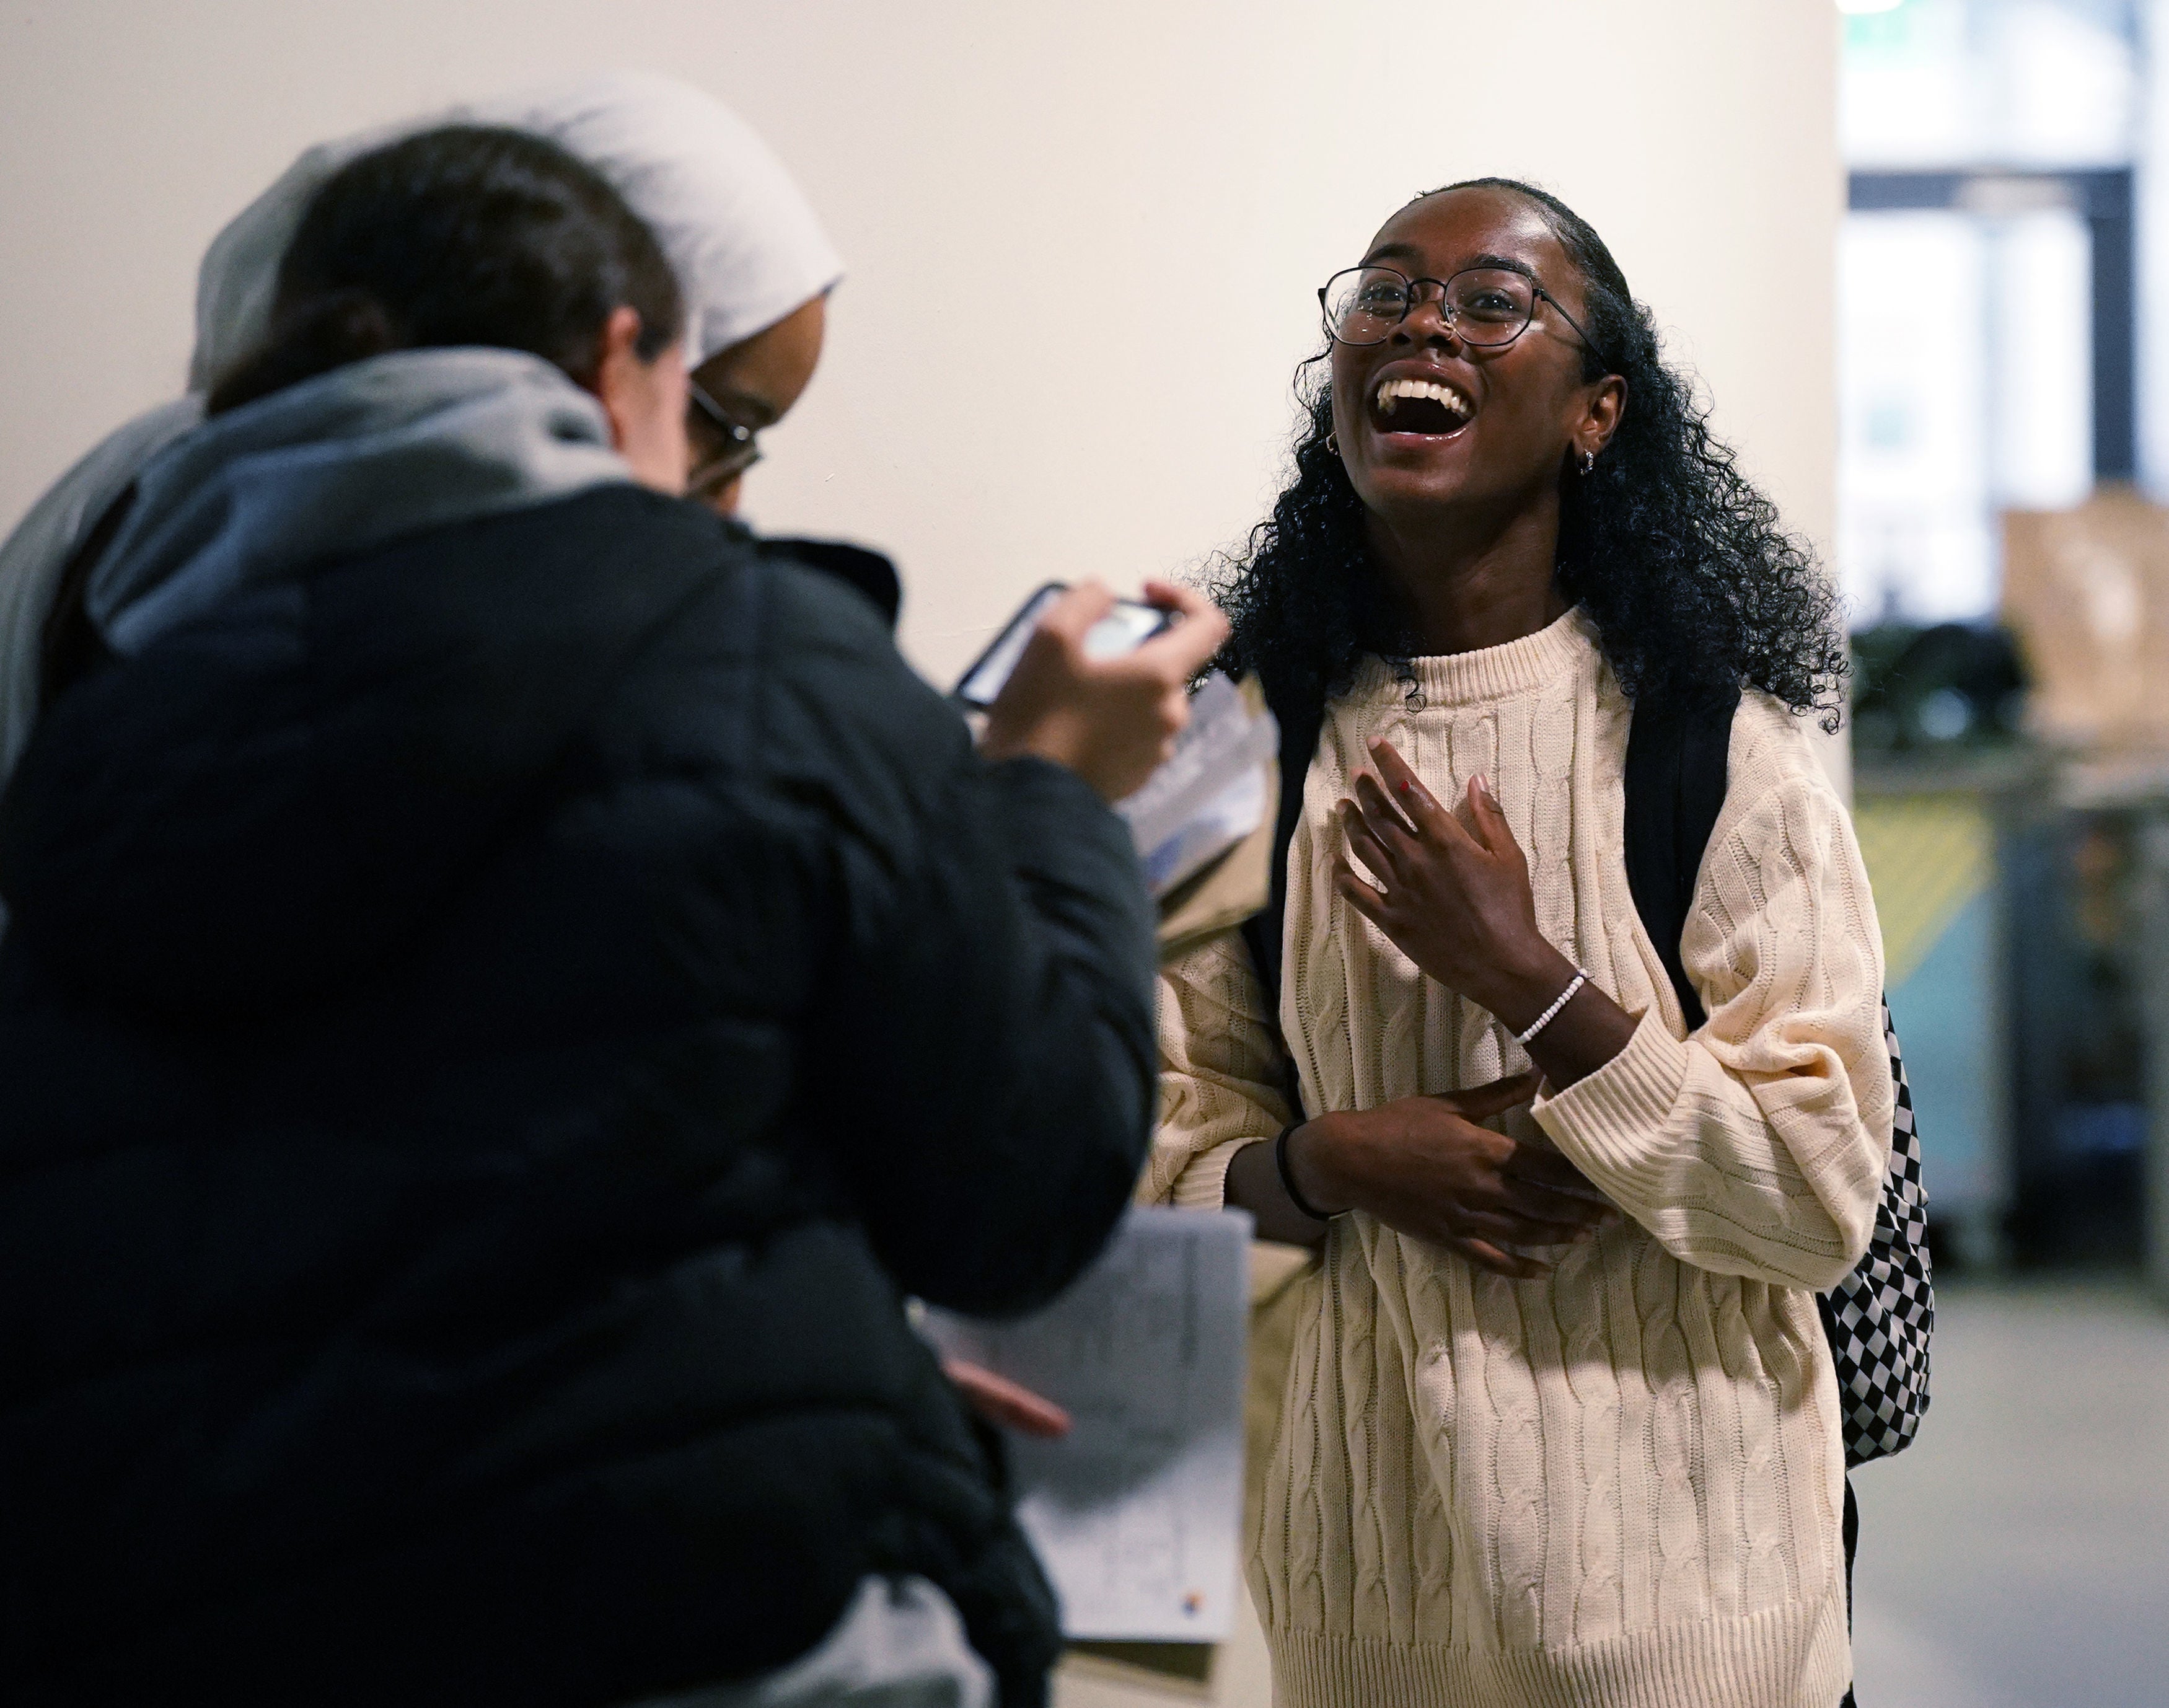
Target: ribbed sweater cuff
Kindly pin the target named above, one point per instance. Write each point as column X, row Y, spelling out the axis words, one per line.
column 1611, row 1123
column 1203, row 1183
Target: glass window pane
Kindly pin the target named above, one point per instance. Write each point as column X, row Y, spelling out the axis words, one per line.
column 2009, row 82
column 2040, row 362
column 1913, row 460
column 1964, row 387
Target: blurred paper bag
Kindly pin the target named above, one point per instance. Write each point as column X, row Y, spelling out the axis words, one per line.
column 2086, row 593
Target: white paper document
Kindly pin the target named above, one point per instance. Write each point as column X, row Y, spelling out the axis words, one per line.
column 1210, row 792
column 1136, row 1513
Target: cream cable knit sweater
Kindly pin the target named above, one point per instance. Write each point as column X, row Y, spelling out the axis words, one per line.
column 1621, row 1485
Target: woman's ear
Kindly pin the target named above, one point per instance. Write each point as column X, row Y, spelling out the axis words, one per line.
column 1607, row 409
column 645, row 402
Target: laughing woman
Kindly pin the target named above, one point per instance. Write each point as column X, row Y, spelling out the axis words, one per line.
column 1561, row 1426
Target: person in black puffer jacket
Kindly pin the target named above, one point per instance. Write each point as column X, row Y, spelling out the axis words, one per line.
column 509, row 989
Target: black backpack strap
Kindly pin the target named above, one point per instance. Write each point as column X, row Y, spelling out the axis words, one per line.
column 1301, row 716
column 1677, row 759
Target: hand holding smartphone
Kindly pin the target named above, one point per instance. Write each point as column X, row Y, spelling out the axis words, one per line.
column 1124, row 629
column 1097, row 684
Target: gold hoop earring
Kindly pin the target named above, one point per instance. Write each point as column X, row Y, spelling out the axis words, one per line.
column 1588, row 463
column 1332, row 444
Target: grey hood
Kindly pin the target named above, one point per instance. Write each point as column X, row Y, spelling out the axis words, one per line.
column 350, row 460
column 35, row 555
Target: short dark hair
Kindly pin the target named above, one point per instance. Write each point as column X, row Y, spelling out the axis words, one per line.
column 467, row 234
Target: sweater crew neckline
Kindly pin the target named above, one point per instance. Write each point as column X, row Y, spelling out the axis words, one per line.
column 1501, row 672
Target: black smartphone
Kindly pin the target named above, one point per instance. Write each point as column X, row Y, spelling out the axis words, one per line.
column 1124, row 629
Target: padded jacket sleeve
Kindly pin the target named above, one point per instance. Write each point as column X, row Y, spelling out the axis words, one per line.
column 979, row 1056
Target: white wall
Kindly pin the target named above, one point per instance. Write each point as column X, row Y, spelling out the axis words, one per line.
column 1083, row 240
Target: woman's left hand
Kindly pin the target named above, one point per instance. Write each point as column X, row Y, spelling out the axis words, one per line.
column 1455, row 901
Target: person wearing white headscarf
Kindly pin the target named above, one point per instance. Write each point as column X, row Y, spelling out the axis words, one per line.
column 537, row 979
column 752, row 263
column 745, row 243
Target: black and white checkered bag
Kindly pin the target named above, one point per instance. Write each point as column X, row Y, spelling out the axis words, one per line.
column 1880, row 1316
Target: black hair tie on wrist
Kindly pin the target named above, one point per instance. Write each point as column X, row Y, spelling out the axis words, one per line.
column 1287, row 1179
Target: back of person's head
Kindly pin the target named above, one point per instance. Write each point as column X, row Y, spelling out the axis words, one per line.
column 462, row 235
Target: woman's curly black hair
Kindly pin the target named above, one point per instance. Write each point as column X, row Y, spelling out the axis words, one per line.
column 1675, row 554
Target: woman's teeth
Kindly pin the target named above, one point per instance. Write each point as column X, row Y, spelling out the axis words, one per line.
column 1392, row 393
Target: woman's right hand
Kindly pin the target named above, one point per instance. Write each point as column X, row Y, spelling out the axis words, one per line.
column 1115, row 721
column 1423, row 1166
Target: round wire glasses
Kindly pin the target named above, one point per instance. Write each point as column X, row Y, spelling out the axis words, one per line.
column 1487, row 308
column 723, row 447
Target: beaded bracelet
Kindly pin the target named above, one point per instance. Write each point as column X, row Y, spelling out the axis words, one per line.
column 1287, row 1178
column 1560, row 1001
